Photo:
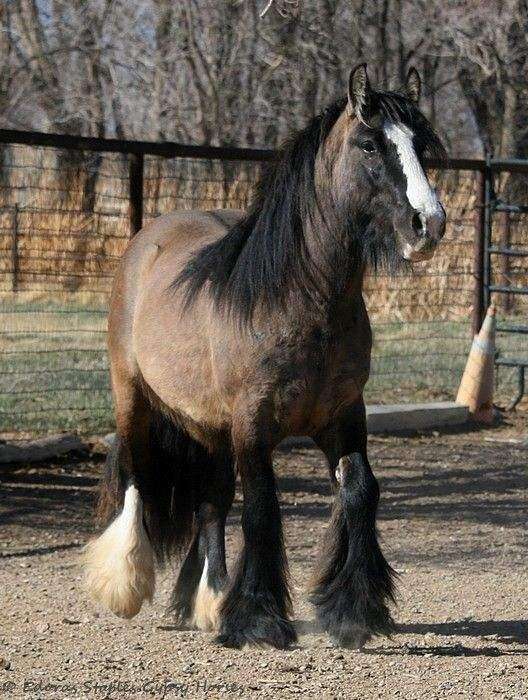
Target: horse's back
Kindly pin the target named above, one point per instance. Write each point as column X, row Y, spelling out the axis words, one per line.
column 180, row 232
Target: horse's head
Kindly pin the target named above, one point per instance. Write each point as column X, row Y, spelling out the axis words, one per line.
column 378, row 146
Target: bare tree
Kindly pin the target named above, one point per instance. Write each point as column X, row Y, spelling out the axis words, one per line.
column 246, row 72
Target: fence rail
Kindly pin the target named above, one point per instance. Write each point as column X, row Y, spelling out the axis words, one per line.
column 137, row 150
column 69, row 204
column 167, row 149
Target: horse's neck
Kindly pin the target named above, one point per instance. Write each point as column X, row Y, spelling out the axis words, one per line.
column 341, row 278
column 332, row 310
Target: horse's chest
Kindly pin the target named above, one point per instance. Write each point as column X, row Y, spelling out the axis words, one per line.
column 327, row 380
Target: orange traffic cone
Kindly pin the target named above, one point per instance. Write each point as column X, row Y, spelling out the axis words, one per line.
column 476, row 387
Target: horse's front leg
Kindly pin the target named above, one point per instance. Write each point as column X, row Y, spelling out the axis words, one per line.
column 257, row 608
column 354, row 584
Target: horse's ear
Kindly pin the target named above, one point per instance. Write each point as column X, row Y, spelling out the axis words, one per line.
column 413, row 85
column 358, row 92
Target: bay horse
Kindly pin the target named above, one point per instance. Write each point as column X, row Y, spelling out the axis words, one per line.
column 229, row 331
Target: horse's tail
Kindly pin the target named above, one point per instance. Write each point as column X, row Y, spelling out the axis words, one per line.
column 172, row 485
column 148, row 515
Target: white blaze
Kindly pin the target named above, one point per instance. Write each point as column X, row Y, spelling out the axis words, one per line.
column 420, row 194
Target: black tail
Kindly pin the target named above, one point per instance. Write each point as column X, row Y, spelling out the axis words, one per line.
column 167, row 484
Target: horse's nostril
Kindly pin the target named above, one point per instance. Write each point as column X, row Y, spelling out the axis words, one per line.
column 417, row 222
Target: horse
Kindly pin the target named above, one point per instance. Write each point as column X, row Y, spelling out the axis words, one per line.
column 229, row 331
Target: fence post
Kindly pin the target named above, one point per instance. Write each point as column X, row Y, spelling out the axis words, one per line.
column 504, row 261
column 14, row 251
column 478, row 253
column 135, row 184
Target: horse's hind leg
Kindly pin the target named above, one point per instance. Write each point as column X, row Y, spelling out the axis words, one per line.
column 354, row 583
column 119, row 564
column 203, row 575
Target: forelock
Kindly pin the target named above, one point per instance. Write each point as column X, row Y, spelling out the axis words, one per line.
column 397, row 108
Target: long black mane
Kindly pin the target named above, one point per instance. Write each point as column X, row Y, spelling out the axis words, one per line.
column 263, row 255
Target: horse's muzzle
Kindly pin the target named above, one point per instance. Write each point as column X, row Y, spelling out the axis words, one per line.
column 435, row 224
column 431, row 230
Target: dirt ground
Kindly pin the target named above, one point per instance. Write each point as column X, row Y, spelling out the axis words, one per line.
column 453, row 523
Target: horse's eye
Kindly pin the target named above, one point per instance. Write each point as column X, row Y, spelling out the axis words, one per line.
column 368, row 146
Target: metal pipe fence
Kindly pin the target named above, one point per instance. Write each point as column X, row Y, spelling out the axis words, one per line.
column 68, row 206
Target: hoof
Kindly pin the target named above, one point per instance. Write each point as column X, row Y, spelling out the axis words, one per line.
column 206, row 614
column 350, row 637
column 197, row 606
column 120, row 584
column 353, row 635
column 246, row 623
column 259, row 632
column 180, row 614
column 350, row 626
column 207, row 602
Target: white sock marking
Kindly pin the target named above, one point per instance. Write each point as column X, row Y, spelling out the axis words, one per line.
column 120, row 563
column 420, row 194
column 206, row 603
column 132, row 508
column 203, row 578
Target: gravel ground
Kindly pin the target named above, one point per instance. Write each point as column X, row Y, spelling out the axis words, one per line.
column 453, row 523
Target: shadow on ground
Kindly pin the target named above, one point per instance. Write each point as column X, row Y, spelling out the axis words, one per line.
column 432, row 481
column 503, row 632
column 489, row 488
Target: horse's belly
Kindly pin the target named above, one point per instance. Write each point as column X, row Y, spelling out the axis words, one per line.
column 187, row 393
column 176, row 367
